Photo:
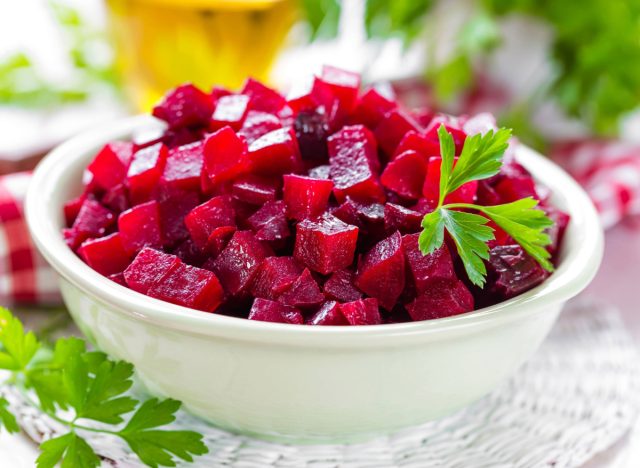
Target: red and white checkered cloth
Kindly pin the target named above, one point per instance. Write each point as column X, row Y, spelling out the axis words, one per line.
column 609, row 171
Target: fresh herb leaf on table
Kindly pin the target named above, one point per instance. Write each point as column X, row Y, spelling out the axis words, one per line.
column 87, row 386
column 481, row 158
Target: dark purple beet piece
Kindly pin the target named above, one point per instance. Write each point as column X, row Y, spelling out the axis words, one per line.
column 274, row 276
column 270, row 222
column 93, row 220
column 361, row 312
column 238, row 262
column 271, row 311
column 328, row 314
column 189, row 253
column 218, row 240
column 203, row 219
column 256, row 190
column 381, row 271
column 116, row 198
column 442, row 298
column 184, row 106
column 325, row 244
column 423, row 269
column 340, row 287
column 303, row 292
column 556, row 232
column 399, row 218
column 149, row 267
column 174, row 206
column 512, row 271
column 312, row 130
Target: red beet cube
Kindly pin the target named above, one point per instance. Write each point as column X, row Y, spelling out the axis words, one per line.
column 271, row 311
column 556, row 232
column 511, row 189
column 325, row 244
column 328, row 314
column 184, row 106
column 189, row 253
column 486, row 194
column 405, row 175
column 270, row 222
column 118, row 278
column 140, row 227
column 312, row 130
column 306, row 197
column 431, row 190
column 512, row 271
column 144, row 171
column 148, row 268
column 230, row 110
column 381, row 271
column 109, row 167
column 238, row 262
column 414, row 141
column 257, row 124
column 452, row 126
column 93, row 220
column 443, row 298
column 263, row 98
column 72, row 208
column 116, row 198
column 275, row 153
column 342, row 84
column 303, row 292
column 183, row 168
column 275, row 275
column 340, row 287
column 225, row 155
column 218, row 240
column 371, row 108
column 399, row 218
column 203, row 219
column 392, row 128
column 354, row 164
column 424, row 269
column 189, row 286
column 256, row 190
column 361, row 312
column 174, row 205
column 105, row 255
column 320, row 172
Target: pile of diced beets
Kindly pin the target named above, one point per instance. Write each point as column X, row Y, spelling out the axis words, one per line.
column 300, row 210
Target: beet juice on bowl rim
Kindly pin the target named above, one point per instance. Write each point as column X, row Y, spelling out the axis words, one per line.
column 229, row 247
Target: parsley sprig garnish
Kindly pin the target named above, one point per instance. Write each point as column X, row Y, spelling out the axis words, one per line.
column 73, row 385
column 481, row 158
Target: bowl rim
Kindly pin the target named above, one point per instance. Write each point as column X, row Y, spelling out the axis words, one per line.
column 581, row 255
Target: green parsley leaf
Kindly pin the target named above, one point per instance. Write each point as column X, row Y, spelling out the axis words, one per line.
column 432, row 235
column 154, row 447
column 7, row 419
column 18, row 347
column 72, row 449
column 526, row 224
column 447, row 152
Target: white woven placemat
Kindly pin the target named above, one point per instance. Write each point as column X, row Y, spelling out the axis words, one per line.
column 576, row 397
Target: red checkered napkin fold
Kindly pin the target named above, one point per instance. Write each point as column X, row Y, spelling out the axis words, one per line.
column 25, row 277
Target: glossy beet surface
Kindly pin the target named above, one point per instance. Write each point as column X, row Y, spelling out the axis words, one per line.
column 305, row 210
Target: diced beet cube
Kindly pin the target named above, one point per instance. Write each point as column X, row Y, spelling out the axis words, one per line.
column 556, row 232
column 203, row 219
column 219, row 91
column 189, row 286
column 238, row 262
column 118, row 278
column 424, row 206
column 328, row 314
column 414, row 141
column 218, row 240
column 183, row 168
column 225, row 155
column 144, row 171
column 392, row 128
column 423, row 115
column 149, row 267
column 486, row 195
column 257, row 124
column 230, row 110
column 340, row 287
column 140, row 227
column 263, row 98
column 72, row 208
column 105, row 255
column 362, row 312
column 320, row 172
column 275, row 153
column 306, row 197
column 398, row 314
column 270, row 222
column 342, row 84
column 371, row 108
column 93, row 220
column 182, row 137
column 512, row 271
column 275, row 275
column 424, row 269
column 312, row 130
column 381, row 271
column 116, row 198
column 347, row 212
column 431, row 133
column 405, row 175
column 256, row 190
column 189, row 253
column 431, row 190
column 184, row 106
column 271, row 311
column 443, row 298
column 303, row 292
column 399, row 218
column 110, row 165
column 174, row 205
column 354, row 164
column 325, row 244
column 511, row 189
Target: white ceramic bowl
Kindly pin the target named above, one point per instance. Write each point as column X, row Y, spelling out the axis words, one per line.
column 301, row 383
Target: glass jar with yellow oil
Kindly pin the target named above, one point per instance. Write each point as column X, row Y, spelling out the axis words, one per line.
column 162, row 43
